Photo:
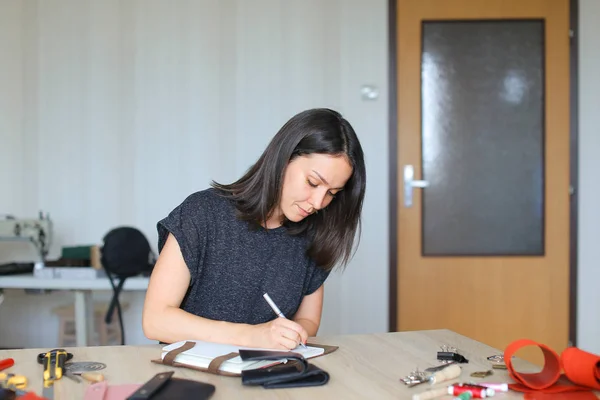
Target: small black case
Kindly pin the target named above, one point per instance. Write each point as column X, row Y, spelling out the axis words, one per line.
column 297, row 372
column 162, row 387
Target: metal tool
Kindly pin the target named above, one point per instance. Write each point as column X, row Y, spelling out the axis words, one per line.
column 54, row 363
column 86, row 370
column 72, row 376
column 12, row 384
column 88, row 376
column 84, row 366
column 497, row 361
column 416, row 378
column 482, row 374
column 450, row 354
column 496, row 358
column 48, row 390
column 12, row 381
column 439, row 367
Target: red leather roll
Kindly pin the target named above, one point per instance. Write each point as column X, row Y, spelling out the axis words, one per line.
column 582, row 370
column 541, row 380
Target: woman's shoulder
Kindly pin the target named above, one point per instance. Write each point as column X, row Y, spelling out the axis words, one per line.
column 209, row 198
column 201, row 208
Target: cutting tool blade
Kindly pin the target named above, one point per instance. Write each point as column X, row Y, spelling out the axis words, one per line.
column 48, row 391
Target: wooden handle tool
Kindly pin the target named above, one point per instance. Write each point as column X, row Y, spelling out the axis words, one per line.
column 91, row 376
column 452, row 372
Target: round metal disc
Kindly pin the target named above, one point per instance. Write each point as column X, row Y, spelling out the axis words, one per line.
column 84, row 366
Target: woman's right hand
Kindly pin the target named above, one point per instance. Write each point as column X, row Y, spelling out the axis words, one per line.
column 280, row 333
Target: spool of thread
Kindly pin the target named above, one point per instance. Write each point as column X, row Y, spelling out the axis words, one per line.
column 477, row 392
column 498, row 387
column 464, row 396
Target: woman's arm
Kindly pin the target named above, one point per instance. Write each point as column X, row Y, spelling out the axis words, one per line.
column 309, row 312
column 163, row 320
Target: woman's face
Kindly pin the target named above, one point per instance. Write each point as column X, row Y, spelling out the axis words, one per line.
column 310, row 184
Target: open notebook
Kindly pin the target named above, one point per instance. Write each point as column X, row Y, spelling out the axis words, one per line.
column 204, row 352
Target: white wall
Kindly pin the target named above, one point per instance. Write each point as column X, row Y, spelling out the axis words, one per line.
column 589, row 164
column 114, row 111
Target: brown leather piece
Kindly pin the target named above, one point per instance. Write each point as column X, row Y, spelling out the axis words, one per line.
column 214, row 365
column 170, row 356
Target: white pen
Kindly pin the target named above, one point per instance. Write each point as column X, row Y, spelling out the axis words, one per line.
column 277, row 310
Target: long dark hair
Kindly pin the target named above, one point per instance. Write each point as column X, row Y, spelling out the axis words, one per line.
column 257, row 194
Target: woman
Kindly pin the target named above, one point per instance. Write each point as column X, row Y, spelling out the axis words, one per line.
column 280, row 229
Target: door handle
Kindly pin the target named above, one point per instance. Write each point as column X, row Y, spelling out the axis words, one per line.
column 410, row 183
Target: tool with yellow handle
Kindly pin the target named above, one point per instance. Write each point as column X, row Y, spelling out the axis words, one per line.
column 53, row 362
column 12, row 381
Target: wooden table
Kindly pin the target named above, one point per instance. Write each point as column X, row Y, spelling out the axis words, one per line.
column 364, row 367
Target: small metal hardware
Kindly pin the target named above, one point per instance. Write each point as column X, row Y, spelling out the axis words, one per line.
column 482, row 374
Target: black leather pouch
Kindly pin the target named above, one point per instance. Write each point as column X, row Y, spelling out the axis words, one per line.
column 162, row 387
column 296, row 372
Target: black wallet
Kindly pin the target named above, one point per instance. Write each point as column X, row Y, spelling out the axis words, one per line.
column 162, row 387
column 296, row 372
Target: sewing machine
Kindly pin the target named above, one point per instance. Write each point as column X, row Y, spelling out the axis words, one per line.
column 37, row 231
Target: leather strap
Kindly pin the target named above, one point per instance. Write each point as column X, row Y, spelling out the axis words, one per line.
column 215, row 364
column 170, row 356
column 582, row 370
